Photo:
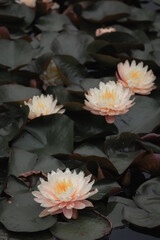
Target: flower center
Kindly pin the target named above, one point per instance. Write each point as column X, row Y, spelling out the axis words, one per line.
column 135, row 77
column 41, row 105
column 63, row 186
column 108, row 98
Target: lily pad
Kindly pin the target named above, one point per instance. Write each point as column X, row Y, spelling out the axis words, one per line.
column 76, row 43
column 104, row 11
column 105, row 187
column 21, row 214
column 15, row 54
column 137, row 120
column 53, row 22
column 12, row 119
column 14, row 93
column 88, row 226
column 122, row 150
column 55, row 137
column 147, row 212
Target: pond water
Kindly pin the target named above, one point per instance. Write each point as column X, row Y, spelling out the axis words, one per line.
column 134, row 234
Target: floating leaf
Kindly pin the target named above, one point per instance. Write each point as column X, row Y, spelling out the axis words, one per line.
column 89, row 225
column 137, row 120
column 14, row 93
column 105, row 187
column 88, row 125
column 55, row 137
column 113, row 210
column 15, row 54
column 104, row 11
column 53, row 22
column 12, row 119
column 76, row 44
column 21, row 214
column 147, row 212
column 122, row 150
column 70, row 69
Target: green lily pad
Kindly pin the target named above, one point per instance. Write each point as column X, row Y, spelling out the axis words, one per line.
column 13, row 93
column 21, row 214
column 12, row 119
column 122, row 150
column 23, row 161
column 15, row 54
column 76, row 43
column 105, row 187
column 56, row 135
column 53, row 22
column 88, row 226
column 104, row 11
column 70, row 69
column 137, row 120
column 113, row 210
column 147, row 212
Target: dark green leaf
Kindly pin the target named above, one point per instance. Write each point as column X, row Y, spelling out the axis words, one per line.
column 139, row 14
column 52, row 22
column 88, row 226
column 15, row 54
column 76, row 44
column 105, row 188
column 122, row 150
column 113, row 210
column 21, row 214
column 13, row 93
column 56, row 135
column 70, row 69
column 22, row 162
column 88, row 125
column 141, row 118
column 104, row 11
column 147, row 212
column 11, row 120
column 15, row 186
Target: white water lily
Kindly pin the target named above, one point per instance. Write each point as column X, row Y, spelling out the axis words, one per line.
column 64, row 192
column 43, row 105
column 109, row 100
column 29, row 3
column 136, row 77
column 32, row 3
column 101, row 31
column 51, row 76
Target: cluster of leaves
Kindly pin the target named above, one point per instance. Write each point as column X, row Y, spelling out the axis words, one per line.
column 118, row 155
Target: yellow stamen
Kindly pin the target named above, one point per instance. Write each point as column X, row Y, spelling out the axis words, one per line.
column 136, row 76
column 63, row 186
column 110, row 97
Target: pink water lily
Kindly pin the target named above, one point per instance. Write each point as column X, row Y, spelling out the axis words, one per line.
column 136, row 77
column 43, row 105
column 101, row 31
column 64, row 192
column 32, row 3
column 109, row 100
column 29, row 3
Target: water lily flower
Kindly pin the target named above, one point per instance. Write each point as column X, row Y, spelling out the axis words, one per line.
column 51, row 76
column 109, row 100
column 136, row 77
column 64, row 192
column 29, row 3
column 101, row 31
column 52, row 5
column 43, row 105
column 32, row 3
